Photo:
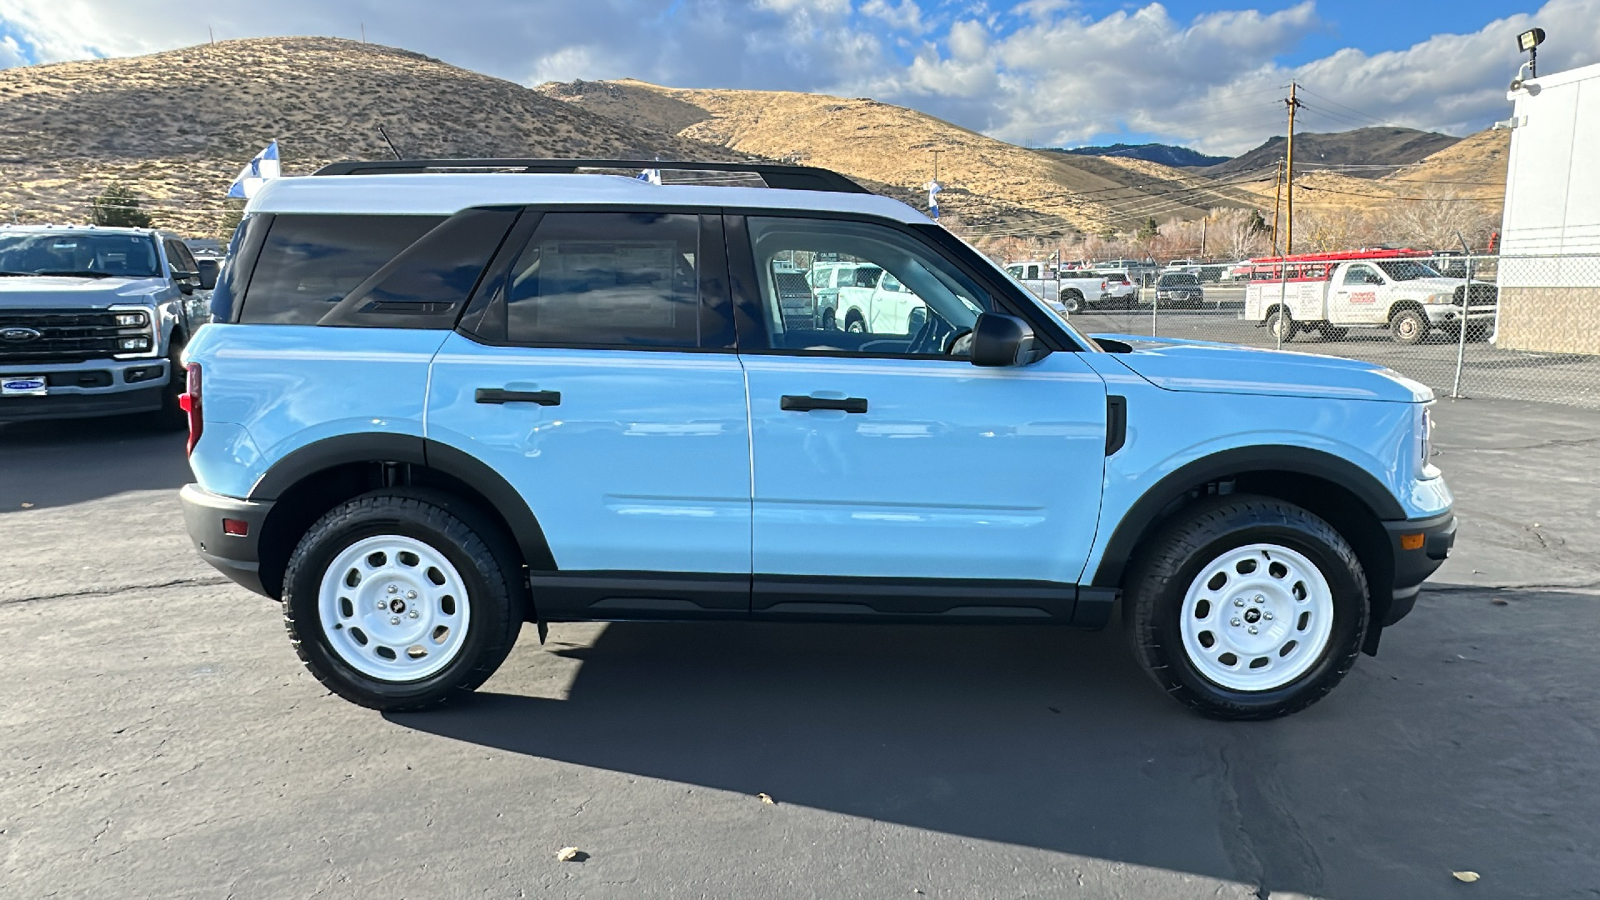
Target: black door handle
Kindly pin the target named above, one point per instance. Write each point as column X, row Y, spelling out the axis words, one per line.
column 501, row 395
column 799, row 403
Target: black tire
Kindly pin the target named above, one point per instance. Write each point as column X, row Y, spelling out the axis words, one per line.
column 481, row 553
column 1281, row 319
column 1072, row 300
column 1168, row 563
column 854, row 324
column 171, row 416
column 829, row 323
column 1409, row 326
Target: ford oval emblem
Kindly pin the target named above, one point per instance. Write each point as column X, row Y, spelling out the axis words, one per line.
column 18, row 335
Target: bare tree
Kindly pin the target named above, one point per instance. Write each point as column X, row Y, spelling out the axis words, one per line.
column 1435, row 220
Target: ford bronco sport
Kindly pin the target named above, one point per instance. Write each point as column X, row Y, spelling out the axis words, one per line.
column 440, row 399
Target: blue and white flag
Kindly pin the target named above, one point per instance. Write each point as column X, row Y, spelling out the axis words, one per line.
column 651, row 175
column 258, row 172
column 933, row 198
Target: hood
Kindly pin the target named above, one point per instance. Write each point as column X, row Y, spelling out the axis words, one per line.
column 52, row 292
column 1429, row 285
column 1210, row 368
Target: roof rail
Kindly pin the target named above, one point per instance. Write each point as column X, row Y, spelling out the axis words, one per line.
column 792, row 178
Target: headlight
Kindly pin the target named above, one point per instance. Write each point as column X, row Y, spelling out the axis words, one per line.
column 131, row 320
column 133, row 344
column 1425, row 435
column 1436, row 299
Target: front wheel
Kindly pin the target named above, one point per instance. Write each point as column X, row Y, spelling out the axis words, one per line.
column 1247, row 608
column 398, row 600
column 1409, row 326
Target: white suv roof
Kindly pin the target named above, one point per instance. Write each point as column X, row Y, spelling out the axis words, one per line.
column 421, row 192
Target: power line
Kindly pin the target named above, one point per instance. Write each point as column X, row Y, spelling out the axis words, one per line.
column 1306, row 187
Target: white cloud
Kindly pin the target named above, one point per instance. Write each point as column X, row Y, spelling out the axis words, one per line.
column 11, row 53
column 906, row 17
column 1043, row 72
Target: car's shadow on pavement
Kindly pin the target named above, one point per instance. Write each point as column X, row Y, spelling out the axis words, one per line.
column 105, row 456
column 1041, row 737
column 1051, row 738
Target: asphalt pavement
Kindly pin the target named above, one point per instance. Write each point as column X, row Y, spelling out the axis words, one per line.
column 159, row 738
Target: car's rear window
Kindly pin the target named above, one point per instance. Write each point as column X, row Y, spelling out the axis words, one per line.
column 308, row 263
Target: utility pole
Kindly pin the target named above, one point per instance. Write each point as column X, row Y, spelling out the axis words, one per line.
column 936, row 163
column 1288, row 242
column 212, row 33
column 1203, row 225
column 363, row 32
column 1277, row 201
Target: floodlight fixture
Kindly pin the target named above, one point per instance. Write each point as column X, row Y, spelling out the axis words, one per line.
column 1528, row 42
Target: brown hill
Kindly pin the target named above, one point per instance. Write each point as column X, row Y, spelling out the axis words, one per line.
column 990, row 184
column 177, row 126
column 1380, row 148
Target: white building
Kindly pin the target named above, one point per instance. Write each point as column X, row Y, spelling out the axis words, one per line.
column 1549, row 272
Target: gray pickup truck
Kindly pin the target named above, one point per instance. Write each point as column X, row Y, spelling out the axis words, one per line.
column 93, row 321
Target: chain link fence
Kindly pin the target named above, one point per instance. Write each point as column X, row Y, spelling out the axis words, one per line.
column 1523, row 328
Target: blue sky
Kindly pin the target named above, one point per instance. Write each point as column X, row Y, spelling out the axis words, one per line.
column 1040, row 72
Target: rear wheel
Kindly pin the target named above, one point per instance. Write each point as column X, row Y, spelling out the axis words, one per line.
column 1247, row 608
column 398, row 600
column 829, row 323
column 1281, row 325
column 1072, row 300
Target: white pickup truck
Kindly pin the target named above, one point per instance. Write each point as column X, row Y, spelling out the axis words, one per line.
column 1074, row 290
column 1331, row 292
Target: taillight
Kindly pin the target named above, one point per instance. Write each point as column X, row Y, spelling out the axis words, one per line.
column 190, row 402
column 1102, row 285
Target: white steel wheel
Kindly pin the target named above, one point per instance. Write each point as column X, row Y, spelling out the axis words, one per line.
column 1256, row 618
column 394, row 608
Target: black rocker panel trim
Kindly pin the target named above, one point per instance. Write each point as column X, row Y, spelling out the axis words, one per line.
column 1223, row 465
column 811, row 596
column 610, row 594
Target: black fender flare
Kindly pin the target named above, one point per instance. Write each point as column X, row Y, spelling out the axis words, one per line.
column 374, row 447
column 1229, row 463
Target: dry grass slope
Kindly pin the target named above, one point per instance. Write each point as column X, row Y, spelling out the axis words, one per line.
column 178, row 125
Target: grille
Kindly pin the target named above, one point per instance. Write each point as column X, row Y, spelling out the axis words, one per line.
column 65, row 335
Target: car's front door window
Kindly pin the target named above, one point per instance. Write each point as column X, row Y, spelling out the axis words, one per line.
column 921, row 306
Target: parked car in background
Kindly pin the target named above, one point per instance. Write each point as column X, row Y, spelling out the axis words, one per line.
column 93, row 321
column 1073, row 290
column 1119, row 291
column 825, row 279
column 1180, row 289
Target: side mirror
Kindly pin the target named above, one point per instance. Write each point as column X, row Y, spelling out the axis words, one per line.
column 1001, row 340
column 208, row 272
column 185, row 285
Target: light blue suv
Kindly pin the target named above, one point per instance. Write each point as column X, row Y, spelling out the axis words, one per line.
column 442, row 398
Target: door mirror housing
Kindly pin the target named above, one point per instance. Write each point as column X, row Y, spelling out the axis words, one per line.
column 208, row 272
column 1001, row 340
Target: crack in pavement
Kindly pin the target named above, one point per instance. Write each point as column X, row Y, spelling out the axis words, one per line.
column 109, row 591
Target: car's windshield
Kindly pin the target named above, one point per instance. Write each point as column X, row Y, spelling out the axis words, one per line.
column 1179, row 278
column 78, row 253
column 1406, row 269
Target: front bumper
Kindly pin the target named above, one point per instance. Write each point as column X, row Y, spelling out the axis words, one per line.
column 94, row 388
column 234, row 555
column 1420, row 546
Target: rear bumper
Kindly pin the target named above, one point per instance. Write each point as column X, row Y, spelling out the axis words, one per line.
column 234, row 555
column 1420, row 546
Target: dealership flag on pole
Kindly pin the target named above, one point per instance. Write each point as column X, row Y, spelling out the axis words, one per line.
column 256, row 173
column 933, row 198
